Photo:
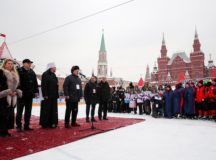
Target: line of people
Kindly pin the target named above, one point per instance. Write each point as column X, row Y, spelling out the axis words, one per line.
column 18, row 87
column 187, row 102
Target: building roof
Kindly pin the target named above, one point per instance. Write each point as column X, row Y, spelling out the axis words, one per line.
column 102, row 46
column 182, row 55
column 4, row 51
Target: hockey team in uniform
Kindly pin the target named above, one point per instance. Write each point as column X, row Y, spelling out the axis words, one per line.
column 189, row 100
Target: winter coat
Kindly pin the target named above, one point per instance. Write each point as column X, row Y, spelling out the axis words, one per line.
column 121, row 93
column 132, row 103
column 8, row 83
column 28, row 82
column 49, row 85
column 115, row 97
column 91, row 93
column 177, row 100
column 140, row 97
column 168, row 110
column 200, row 94
column 189, row 101
column 73, row 88
column 127, row 98
column 104, row 92
column 212, row 93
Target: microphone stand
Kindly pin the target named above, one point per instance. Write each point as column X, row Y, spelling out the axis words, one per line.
column 92, row 123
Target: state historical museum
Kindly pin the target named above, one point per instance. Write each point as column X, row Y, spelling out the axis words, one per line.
column 171, row 70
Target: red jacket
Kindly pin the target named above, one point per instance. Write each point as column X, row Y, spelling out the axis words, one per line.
column 211, row 94
column 200, row 94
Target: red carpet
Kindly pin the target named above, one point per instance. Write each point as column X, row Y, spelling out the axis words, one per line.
column 24, row 143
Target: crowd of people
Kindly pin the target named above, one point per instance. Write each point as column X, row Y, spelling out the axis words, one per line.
column 194, row 101
column 18, row 87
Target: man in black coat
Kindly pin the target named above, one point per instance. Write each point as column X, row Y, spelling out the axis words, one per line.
column 91, row 97
column 73, row 93
column 104, row 97
column 49, row 109
column 29, row 87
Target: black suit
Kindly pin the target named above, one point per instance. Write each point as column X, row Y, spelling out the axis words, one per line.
column 29, row 86
column 104, row 98
column 91, row 98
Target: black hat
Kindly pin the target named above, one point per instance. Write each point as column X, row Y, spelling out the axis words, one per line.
column 27, row 61
column 74, row 68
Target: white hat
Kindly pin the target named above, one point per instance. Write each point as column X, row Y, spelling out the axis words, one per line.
column 51, row 65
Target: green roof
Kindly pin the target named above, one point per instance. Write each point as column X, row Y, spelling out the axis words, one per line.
column 102, row 46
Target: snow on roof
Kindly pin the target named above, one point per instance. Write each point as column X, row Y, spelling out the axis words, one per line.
column 4, row 51
column 181, row 55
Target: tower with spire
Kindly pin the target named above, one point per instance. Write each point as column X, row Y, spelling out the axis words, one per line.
column 196, row 44
column 211, row 68
column 163, row 48
column 197, row 59
column 147, row 75
column 154, row 74
column 102, row 61
column 210, row 62
column 163, row 61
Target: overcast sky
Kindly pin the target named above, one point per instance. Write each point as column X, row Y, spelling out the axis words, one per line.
column 133, row 32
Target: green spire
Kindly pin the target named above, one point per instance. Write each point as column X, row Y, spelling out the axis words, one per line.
column 102, row 46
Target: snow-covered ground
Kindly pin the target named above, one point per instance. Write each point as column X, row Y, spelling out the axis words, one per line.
column 153, row 139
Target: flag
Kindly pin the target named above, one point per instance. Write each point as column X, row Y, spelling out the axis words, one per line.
column 2, row 35
column 181, row 77
column 140, row 83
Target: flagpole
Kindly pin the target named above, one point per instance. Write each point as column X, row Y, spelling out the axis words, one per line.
column 3, row 35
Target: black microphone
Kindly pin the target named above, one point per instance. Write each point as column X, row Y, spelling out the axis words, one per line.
column 82, row 75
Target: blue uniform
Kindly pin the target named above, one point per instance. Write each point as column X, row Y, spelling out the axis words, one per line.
column 168, row 96
column 189, row 102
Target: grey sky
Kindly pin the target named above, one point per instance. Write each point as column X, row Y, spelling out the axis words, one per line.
column 133, row 32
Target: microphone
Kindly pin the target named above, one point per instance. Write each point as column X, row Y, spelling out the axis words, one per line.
column 82, row 75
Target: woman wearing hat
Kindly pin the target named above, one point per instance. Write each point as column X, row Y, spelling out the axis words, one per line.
column 49, row 109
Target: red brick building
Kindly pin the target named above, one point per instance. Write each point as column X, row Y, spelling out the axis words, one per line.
column 192, row 67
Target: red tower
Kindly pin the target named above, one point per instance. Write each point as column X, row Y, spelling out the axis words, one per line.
column 162, row 62
column 197, row 60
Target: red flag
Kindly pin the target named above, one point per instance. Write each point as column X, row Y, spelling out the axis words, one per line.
column 181, row 77
column 2, row 35
column 140, row 83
